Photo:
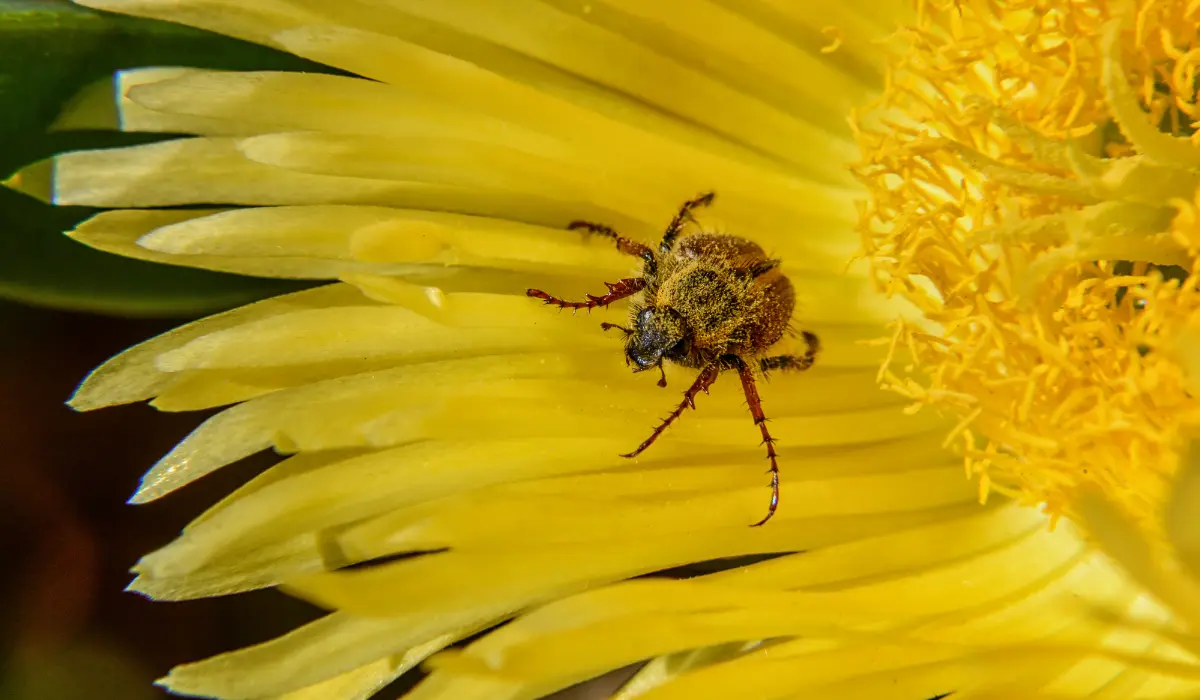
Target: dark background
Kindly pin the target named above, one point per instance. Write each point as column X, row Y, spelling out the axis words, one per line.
column 67, row 538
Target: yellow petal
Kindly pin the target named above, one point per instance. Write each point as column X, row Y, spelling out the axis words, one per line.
column 134, row 117
column 199, row 171
column 254, row 22
column 1180, row 512
column 131, row 376
column 281, row 101
column 310, row 657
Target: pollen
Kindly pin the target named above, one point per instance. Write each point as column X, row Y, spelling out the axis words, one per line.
column 1033, row 172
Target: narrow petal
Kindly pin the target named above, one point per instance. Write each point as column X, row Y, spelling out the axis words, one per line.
column 314, row 655
column 200, row 171
column 133, row 117
column 128, row 233
column 131, row 376
column 254, row 22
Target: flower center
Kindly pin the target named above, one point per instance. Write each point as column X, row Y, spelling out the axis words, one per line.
column 1034, row 190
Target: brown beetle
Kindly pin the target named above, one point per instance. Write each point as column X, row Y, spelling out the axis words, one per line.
column 710, row 302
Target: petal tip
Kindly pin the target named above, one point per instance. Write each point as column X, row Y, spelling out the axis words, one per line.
column 151, row 487
column 91, row 109
column 140, row 497
column 85, row 396
column 35, row 180
column 136, row 585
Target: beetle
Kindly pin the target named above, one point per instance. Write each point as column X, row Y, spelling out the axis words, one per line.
column 710, row 302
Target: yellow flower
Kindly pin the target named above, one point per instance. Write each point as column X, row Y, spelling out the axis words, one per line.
column 458, row 443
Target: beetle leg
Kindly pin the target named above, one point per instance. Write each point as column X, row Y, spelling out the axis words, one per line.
column 707, row 376
column 624, row 245
column 682, row 217
column 760, row 419
column 616, row 290
column 797, row 363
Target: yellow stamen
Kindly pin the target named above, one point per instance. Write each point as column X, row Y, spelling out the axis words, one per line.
column 1036, row 193
column 836, row 37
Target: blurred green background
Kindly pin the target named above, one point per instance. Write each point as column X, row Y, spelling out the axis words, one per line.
column 51, row 50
